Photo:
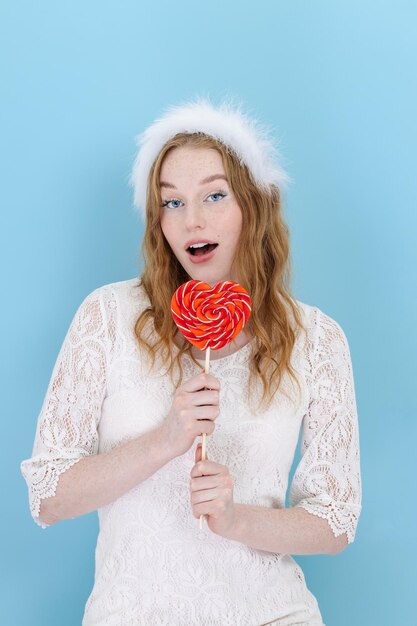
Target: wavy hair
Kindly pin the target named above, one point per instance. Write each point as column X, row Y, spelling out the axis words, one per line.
column 261, row 261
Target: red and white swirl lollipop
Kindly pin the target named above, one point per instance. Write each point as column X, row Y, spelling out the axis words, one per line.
column 210, row 317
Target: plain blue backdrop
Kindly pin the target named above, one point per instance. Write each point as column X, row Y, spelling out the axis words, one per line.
column 337, row 83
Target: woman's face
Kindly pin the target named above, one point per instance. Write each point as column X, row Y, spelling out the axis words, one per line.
column 198, row 205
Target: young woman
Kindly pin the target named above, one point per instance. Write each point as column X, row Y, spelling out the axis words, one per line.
column 128, row 398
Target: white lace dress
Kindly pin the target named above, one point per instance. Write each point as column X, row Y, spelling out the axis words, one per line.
column 154, row 566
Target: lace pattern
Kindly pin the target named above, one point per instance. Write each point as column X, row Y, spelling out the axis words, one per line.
column 327, row 481
column 67, row 424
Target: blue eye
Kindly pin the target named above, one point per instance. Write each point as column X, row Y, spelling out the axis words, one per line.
column 165, row 204
column 218, row 193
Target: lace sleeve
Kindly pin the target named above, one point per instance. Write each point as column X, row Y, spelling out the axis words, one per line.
column 327, row 480
column 67, row 424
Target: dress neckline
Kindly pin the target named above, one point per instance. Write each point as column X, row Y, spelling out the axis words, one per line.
column 222, row 358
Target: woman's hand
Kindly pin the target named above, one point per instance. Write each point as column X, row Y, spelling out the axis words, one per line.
column 194, row 409
column 211, row 492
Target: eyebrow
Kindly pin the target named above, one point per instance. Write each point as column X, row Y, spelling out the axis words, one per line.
column 209, row 179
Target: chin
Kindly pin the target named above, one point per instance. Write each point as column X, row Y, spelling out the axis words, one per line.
column 208, row 275
column 214, row 281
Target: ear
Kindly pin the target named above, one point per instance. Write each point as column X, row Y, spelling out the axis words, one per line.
column 198, row 452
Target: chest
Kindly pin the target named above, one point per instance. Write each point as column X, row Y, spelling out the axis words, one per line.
column 247, row 440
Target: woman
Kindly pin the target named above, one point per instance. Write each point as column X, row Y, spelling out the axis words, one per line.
column 128, row 397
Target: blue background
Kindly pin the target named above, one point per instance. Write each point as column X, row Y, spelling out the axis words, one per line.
column 337, row 82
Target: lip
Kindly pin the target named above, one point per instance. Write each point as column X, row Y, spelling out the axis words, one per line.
column 207, row 257
column 188, row 244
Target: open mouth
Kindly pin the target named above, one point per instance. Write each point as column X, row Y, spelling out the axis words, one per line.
column 208, row 247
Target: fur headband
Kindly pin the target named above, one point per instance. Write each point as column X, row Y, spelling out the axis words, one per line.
column 226, row 123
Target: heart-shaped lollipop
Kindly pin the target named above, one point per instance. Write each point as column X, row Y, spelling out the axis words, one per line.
column 210, row 318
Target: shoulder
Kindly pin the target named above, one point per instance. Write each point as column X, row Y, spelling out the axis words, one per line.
column 326, row 338
column 125, row 294
column 316, row 318
column 111, row 310
column 320, row 327
column 113, row 305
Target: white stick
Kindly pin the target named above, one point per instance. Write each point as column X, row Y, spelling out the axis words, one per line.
column 203, row 449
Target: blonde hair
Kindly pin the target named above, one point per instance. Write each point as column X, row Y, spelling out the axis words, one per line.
column 261, row 261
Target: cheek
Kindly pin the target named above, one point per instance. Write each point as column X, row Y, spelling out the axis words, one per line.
column 162, row 223
column 167, row 231
column 234, row 227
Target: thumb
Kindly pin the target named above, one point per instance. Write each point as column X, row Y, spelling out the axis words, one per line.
column 198, row 453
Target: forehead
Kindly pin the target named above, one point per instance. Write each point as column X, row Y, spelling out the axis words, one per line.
column 190, row 162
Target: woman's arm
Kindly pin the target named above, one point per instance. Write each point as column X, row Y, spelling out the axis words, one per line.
column 286, row 531
column 325, row 494
column 66, row 476
column 97, row 480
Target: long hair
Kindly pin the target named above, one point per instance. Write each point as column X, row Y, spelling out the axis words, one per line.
column 261, row 261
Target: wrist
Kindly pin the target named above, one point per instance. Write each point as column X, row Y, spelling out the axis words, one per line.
column 166, row 451
column 234, row 529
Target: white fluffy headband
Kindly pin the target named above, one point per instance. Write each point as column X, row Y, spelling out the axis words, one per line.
column 244, row 135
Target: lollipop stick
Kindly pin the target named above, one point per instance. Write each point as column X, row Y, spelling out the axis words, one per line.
column 203, row 448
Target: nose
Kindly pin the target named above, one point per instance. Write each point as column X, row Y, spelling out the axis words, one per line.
column 194, row 216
